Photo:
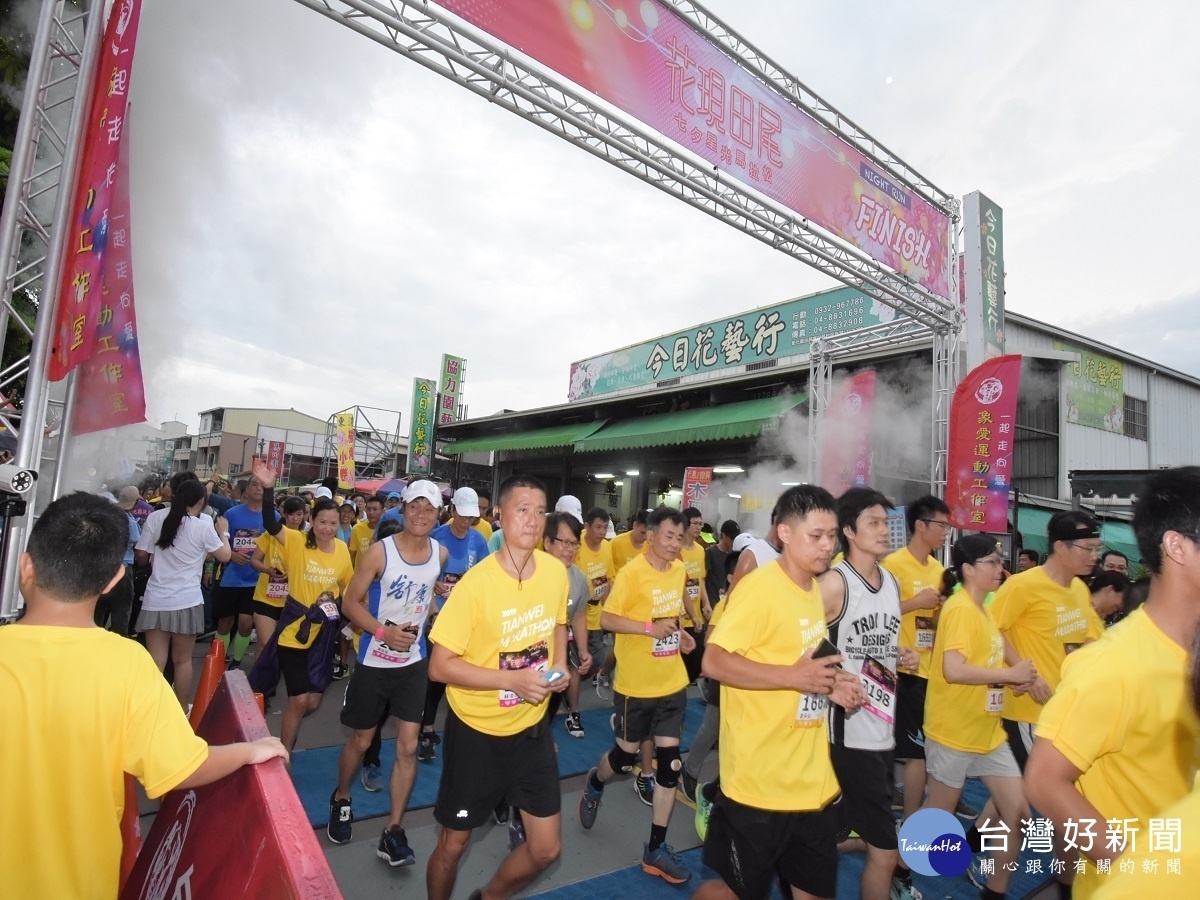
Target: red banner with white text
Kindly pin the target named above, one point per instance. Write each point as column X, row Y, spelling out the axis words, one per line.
column 110, row 391
column 89, row 239
column 846, row 435
column 983, row 431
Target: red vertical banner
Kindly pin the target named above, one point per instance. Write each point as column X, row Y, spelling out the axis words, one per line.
column 91, row 225
column 275, row 457
column 697, row 485
column 846, row 434
column 110, row 391
column 983, row 430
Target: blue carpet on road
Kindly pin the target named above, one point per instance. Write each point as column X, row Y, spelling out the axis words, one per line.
column 633, row 882
column 314, row 772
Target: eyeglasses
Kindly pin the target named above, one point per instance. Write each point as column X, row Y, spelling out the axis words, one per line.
column 990, row 561
column 941, row 523
column 1092, row 549
column 574, row 545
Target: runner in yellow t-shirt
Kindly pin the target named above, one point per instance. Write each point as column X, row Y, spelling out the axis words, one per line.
column 362, row 532
column 650, row 688
column 967, row 675
column 500, row 645
column 1118, row 739
column 628, row 544
column 319, row 569
column 920, row 578
column 271, row 590
column 773, row 817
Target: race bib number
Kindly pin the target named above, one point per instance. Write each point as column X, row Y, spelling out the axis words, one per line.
column 925, row 632
column 598, row 584
column 693, row 589
column 330, row 609
column 277, row 587
column 667, row 646
column 536, row 657
column 879, row 683
column 995, row 699
column 811, row 711
column 243, row 541
column 387, row 653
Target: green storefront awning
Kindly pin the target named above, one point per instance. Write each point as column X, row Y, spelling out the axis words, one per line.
column 1120, row 536
column 1032, row 522
column 554, row 436
column 747, row 419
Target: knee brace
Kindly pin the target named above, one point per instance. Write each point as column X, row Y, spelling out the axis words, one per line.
column 667, row 773
column 621, row 760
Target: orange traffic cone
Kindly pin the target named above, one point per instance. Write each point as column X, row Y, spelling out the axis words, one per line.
column 210, row 676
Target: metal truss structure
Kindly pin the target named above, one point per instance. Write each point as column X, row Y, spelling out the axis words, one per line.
column 377, row 448
column 40, row 186
column 822, row 352
column 441, row 42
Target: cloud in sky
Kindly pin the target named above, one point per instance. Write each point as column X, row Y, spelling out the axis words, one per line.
column 317, row 219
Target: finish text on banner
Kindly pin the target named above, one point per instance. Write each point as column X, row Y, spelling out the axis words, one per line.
column 648, row 61
column 846, row 434
column 420, row 437
column 983, row 430
column 91, row 225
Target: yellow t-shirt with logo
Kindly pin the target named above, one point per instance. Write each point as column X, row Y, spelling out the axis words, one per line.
column 697, row 568
column 493, row 622
column 774, row 744
column 1044, row 621
column 965, row 717
column 597, row 568
column 1146, row 872
column 1122, row 715
column 917, row 628
column 360, row 539
column 623, row 550
column 647, row 666
column 271, row 589
column 484, row 527
column 80, row 707
column 313, row 577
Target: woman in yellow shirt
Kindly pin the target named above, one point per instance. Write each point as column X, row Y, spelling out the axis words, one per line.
column 967, row 675
column 271, row 590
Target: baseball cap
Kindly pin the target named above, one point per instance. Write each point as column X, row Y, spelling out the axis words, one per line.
column 742, row 541
column 322, row 493
column 465, row 502
column 128, row 497
column 422, row 488
column 394, row 495
column 1072, row 525
column 569, row 504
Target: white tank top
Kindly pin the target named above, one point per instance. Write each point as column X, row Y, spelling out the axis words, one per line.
column 762, row 551
column 405, row 597
column 867, row 634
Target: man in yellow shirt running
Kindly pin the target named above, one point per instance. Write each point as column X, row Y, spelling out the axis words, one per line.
column 1117, row 742
column 650, row 689
column 774, row 817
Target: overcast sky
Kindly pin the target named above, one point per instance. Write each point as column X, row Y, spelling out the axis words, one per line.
column 317, row 219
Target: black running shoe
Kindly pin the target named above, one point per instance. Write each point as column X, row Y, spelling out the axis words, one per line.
column 341, row 820
column 393, row 848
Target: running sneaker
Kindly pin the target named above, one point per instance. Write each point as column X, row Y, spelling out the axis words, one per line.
column 589, row 801
column 231, row 664
column 516, row 831
column 903, row 891
column 339, row 671
column 341, row 820
column 500, row 813
column 393, row 848
column 603, row 686
column 665, row 863
column 688, row 784
column 372, row 779
column 975, row 871
column 964, row 811
column 425, row 747
column 703, row 811
column 643, row 786
column 574, row 725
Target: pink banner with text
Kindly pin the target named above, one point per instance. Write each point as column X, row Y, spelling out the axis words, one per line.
column 648, row 61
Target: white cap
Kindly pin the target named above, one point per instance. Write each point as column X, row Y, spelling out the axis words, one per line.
column 612, row 532
column 465, row 502
column 426, row 489
column 322, row 493
column 742, row 541
column 569, row 504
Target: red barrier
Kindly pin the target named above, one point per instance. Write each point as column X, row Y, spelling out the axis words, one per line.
column 131, row 829
column 210, row 677
column 244, row 836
